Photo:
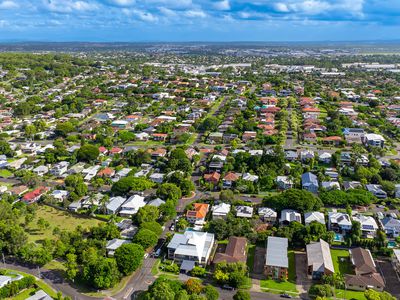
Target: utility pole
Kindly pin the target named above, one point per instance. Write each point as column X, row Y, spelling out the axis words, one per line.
column 38, row 271
column 4, row 260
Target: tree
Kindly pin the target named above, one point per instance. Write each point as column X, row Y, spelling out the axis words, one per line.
column 227, row 196
column 146, row 238
column 62, row 129
column 126, row 136
column 129, row 257
column 300, row 200
column 126, row 184
column 242, row 295
column 88, row 153
column 209, row 124
column 147, row 213
column 211, row 292
column 371, row 294
column 5, row 149
column 169, row 191
column 198, row 271
column 162, row 291
column 182, row 224
column 321, row 290
column 153, row 226
column 193, row 286
column 71, row 266
column 102, row 273
column 30, row 130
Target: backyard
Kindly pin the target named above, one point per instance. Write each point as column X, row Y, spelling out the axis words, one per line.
column 56, row 218
column 341, row 261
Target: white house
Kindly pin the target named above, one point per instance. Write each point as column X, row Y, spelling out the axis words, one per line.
column 284, row 182
column 314, row 216
column 114, row 244
column 114, row 204
column 59, row 195
column 330, row 185
column 191, row 246
column 131, row 206
column 375, row 140
column 339, row 221
column 221, row 210
column 267, row 214
column 244, row 211
column 288, row 216
column 60, row 168
column 376, row 190
column 368, row 225
column 41, row 170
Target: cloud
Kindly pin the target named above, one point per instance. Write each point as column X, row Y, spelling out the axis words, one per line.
column 8, row 5
column 62, row 6
column 222, row 5
column 122, row 3
column 195, row 14
column 141, row 15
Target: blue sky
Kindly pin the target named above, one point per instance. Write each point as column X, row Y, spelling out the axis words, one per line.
column 199, row 20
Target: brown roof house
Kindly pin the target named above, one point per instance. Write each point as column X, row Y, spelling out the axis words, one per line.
column 235, row 251
column 366, row 276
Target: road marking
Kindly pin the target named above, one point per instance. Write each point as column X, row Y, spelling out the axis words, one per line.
column 128, row 293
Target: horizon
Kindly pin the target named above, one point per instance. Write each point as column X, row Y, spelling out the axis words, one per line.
column 198, row 20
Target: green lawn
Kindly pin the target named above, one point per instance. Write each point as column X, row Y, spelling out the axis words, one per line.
column 251, row 249
column 24, row 294
column 5, row 173
column 350, row 295
column 56, row 218
column 341, row 261
column 292, row 267
column 276, row 287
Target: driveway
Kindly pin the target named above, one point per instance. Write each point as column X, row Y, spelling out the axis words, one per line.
column 259, row 260
column 390, row 276
column 303, row 283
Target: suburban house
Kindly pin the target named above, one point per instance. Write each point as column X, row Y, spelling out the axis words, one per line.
column 267, row 214
column 309, row 182
column 325, row 157
column 330, row 185
column 40, row 170
column 198, row 214
column 319, row 259
column 212, row 177
column 368, row 225
column 132, row 206
column 243, row 211
column 192, row 246
column 373, row 139
column 314, row 216
column 339, row 222
column 366, row 275
column 114, row 204
column 34, row 195
column 391, row 226
column 354, row 135
column 376, row 190
column 235, row 251
column 276, row 259
column 156, row 202
column 59, row 195
column 59, row 168
column 229, row 179
column 288, row 216
column 114, row 244
column 220, row 211
column 284, row 182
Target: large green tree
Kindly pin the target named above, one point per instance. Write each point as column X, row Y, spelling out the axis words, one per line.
column 129, row 257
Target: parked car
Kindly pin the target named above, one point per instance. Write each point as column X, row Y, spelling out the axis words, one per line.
column 286, row 296
column 146, row 255
column 228, row 287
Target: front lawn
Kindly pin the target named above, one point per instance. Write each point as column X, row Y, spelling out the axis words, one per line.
column 341, row 261
column 292, row 267
column 346, row 294
column 283, row 286
column 56, row 218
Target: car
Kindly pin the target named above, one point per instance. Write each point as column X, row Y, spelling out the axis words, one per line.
column 228, row 287
column 157, row 253
column 146, row 255
column 286, row 296
column 248, row 200
column 172, row 228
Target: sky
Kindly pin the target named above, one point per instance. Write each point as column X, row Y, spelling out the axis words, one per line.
column 199, row 20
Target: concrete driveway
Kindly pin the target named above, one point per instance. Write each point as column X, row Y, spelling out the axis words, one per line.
column 303, row 283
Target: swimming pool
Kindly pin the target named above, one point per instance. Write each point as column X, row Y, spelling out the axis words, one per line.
column 392, row 244
column 338, row 237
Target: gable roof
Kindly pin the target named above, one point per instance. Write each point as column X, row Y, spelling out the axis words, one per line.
column 319, row 256
column 199, row 212
column 235, row 251
column 277, row 252
column 362, row 260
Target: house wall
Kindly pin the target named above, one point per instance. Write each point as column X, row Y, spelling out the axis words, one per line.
column 276, row 273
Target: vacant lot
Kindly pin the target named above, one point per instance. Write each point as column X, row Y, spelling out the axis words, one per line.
column 56, row 218
column 341, row 261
